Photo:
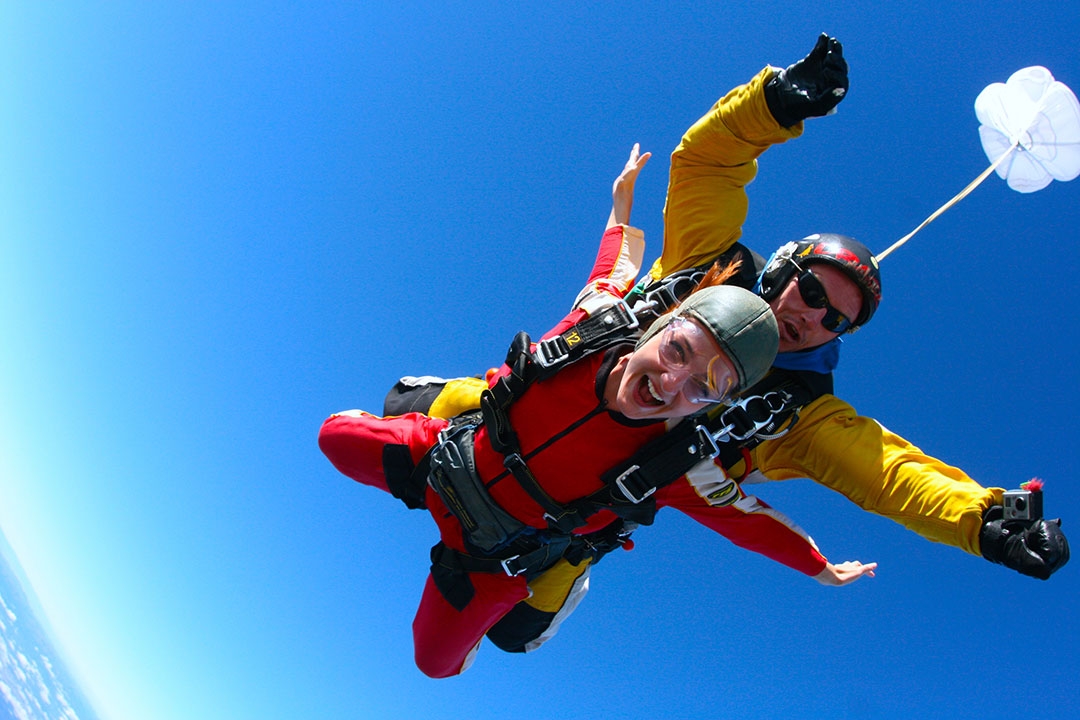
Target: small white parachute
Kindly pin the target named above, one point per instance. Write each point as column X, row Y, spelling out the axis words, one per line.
column 1040, row 117
column 1030, row 131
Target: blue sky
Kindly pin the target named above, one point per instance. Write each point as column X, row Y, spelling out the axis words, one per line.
column 220, row 222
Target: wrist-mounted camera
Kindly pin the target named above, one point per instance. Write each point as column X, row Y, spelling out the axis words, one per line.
column 1025, row 504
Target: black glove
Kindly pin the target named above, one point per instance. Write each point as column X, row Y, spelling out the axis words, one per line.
column 1031, row 547
column 811, row 87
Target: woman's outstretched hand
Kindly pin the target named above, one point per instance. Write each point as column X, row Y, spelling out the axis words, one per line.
column 845, row 573
column 622, row 191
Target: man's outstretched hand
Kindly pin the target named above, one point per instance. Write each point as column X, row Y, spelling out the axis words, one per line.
column 811, row 87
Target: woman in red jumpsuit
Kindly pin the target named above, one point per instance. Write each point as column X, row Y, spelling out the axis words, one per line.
column 571, row 428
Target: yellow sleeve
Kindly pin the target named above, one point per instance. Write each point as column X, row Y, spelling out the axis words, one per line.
column 457, row 396
column 879, row 471
column 717, row 158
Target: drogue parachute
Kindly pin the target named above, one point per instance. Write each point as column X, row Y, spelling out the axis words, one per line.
column 1037, row 115
column 1030, row 132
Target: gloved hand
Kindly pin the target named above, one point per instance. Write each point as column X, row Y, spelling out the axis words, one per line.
column 811, row 87
column 1037, row 548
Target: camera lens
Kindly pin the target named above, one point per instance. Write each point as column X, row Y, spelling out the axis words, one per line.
column 1021, row 504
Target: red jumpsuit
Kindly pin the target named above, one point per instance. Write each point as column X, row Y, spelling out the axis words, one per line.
column 569, row 440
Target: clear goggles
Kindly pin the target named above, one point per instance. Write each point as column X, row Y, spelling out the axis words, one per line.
column 685, row 347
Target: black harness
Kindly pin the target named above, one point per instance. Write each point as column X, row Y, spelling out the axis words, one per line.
column 724, row 435
column 498, row 542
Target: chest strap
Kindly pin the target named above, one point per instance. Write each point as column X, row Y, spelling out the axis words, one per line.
column 726, row 435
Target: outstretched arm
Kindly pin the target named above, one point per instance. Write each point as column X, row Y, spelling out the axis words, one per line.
column 884, row 473
column 706, row 201
column 879, row 471
column 709, row 496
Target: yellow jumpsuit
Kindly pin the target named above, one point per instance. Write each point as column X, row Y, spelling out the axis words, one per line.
column 831, row 444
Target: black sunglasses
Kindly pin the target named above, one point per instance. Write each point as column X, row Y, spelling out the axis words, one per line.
column 813, row 294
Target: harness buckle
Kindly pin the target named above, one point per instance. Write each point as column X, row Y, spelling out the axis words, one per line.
column 620, row 482
column 671, row 290
column 514, row 571
column 708, row 443
column 754, row 414
column 552, row 351
column 628, row 317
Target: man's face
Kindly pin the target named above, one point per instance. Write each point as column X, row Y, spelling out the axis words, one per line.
column 800, row 325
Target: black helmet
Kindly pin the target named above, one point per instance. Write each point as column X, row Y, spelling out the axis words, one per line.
column 842, row 252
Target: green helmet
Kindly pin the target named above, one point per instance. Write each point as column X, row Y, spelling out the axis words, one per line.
column 741, row 323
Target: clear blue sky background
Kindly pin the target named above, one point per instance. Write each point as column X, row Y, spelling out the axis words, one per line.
column 220, row 222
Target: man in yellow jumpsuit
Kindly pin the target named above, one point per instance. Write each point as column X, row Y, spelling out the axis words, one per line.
column 819, row 288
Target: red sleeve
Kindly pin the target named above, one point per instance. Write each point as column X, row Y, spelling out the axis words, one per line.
column 613, row 273
column 749, row 523
column 618, row 261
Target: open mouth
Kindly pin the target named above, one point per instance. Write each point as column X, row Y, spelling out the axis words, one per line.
column 647, row 395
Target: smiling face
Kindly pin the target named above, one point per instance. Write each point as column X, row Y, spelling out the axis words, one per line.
column 800, row 324
column 669, row 375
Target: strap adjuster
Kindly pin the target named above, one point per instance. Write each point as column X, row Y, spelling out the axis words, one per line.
column 552, row 351
column 589, row 334
column 708, row 449
column 514, row 571
column 705, row 449
column 620, row 482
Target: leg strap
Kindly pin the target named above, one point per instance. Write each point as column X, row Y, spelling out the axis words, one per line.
column 405, row 481
column 450, row 568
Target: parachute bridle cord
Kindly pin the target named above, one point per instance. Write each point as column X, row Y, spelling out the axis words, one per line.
column 959, row 196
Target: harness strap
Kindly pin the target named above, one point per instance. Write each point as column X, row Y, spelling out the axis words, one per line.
column 614, row 322
column 726, row 435
column 405, row 481
column 496, row 400
column 450, row 568
column 670, row 455
column 561, row 518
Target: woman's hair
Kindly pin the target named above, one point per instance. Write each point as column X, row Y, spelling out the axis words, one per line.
column 717, row 275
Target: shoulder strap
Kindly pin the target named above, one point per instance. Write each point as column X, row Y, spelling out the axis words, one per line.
column 610, row 326
column 724, row 434
column 596, row 332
